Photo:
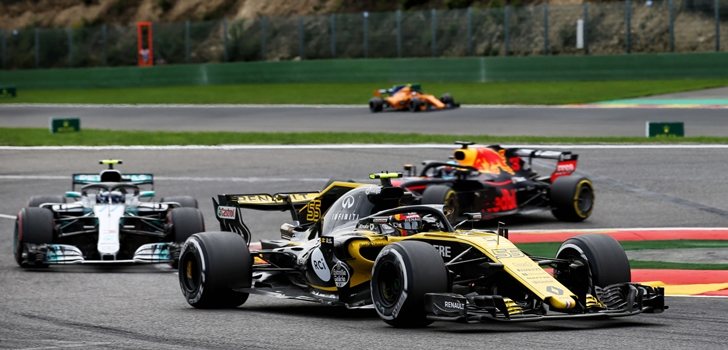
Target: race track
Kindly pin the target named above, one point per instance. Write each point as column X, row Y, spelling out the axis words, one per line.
column 470, row 120
column 141, row 307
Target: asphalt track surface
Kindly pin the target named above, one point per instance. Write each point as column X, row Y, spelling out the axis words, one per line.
column 142, row 307
column 469, row 120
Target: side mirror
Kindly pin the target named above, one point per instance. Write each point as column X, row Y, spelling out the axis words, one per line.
column 73, row 194
column 146, row 194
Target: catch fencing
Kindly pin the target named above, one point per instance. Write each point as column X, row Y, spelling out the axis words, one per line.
column 605, row 28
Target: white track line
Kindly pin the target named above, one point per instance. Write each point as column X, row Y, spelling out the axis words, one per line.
column 347, row 146
column 10, row 217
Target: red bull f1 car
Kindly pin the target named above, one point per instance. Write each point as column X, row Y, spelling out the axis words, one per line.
column 496, row 181
column 363, row 245
column 109, row 221
column 409, row 97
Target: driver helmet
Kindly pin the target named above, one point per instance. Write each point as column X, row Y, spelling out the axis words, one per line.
column 407, row 223
column 115, row 196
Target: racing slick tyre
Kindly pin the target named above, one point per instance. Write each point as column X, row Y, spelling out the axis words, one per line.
column 403, row 273
column 415, row 105
column 604, row 258
column 35, row 226
column 376, row 104
column 572, row 198
column 36, row 201
column 211, row 266
column 185, row 222
column 184, row 201
column 444, row 195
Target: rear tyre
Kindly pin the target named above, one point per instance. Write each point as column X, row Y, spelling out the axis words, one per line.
column 446, row 196
column 211, row 266
column 185, row 222
column 376, row 104
column 36, row 201
column 34, row 226
column 572, row 198
column 603, row 256
column 402, row 274
column 184, row 201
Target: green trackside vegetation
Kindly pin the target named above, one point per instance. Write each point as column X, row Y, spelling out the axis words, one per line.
column 93, row 137
column 532, row 93
column 550, row 249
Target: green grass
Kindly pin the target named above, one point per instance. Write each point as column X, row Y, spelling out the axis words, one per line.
column 359, row 93
column 94, row 137
column 550, row 249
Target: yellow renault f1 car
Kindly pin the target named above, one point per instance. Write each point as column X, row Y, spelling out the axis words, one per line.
column 409, row 97
column 358, row 245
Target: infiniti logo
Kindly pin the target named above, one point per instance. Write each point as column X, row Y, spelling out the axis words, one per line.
column 348, row 202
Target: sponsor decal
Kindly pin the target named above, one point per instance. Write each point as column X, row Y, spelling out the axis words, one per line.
column 445, row 251
column 268, row 199
column 319, row 265
column 345, row 216
column 564, row 168
column 505, row 202
column 347, row 202
column 454, row 305
column 341, row 274
column 554, row 290
column 492, row 162
column 327, row 240
column 227, row 213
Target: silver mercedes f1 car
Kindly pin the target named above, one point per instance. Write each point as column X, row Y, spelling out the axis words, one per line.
column 111, row 220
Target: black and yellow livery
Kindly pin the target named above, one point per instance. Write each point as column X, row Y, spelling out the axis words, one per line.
column 356, row 245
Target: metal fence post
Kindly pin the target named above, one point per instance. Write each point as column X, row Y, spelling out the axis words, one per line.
column 469, row 30
column 506, row 39
column 398, row 20
column 332, row 20
column 263, row 30
column 226, row 56
column 301, row 49
column 69, row 39
column 586, row 27
column 433, row 26
column 671, row 11
column 628, row 24
column 365, row 28
column 717, row 25
column 37, row 47
column 104, row 37
column 546, row 28
column 3, row 47
column 187, row 41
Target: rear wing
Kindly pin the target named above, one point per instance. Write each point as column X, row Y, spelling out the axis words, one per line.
column 305, row 207
column 133, row 179
column 565, row 160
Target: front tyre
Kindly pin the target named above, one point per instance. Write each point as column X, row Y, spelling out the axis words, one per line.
column 572, row 198
column 604, row 258
column 212, row 266
column 33, row 226
column 376, row 104
column 403, row 272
